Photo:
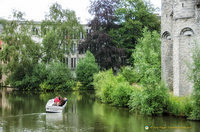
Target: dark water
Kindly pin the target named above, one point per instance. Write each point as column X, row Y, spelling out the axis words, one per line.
column 26, row 112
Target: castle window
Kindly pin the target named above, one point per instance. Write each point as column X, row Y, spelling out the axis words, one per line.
column 187, row 32
column 166, row 35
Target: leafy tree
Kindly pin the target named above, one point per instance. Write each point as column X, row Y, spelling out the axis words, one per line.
column 153, row 99
column 132, row 16
column 20, row 53
column 85, row 69
column 58, row 77
column 99, row 41
column 60, row 31
column 147, row 58
column 195, row 77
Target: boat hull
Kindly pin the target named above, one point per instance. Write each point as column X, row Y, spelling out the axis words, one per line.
column 54, row 109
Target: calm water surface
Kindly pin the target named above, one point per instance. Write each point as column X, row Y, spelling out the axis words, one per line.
column 26, row 112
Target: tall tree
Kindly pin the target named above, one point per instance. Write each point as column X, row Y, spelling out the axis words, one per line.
column 20, row 52
column 132, row 16
column 98, row 41
column 60, row 31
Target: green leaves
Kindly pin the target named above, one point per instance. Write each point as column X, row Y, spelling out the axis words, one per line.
column 195, row 77
column 147, row 58
column 132, row 16
column 60, row 31
column 86, row 67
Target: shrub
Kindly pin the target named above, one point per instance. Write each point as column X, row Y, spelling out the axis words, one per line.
column 195, row 77
column 112, row 89
column 59, row 77
column 147, row 58
column 28, row 80
column 103, row 85
column 86, row 67
column 151, row 100
column 121, row 94
column 179, row 106
column 129, row 74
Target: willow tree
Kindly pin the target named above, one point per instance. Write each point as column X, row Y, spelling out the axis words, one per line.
column 60, row 31
column 20, row 52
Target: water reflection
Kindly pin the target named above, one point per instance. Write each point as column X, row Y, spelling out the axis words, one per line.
column 26, row 112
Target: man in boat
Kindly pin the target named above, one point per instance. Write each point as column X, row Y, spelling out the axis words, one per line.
column 62, row 101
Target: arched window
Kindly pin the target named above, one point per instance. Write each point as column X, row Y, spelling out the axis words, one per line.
column 187, row 32
column 166, row 35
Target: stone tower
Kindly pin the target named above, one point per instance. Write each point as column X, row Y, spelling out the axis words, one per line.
column 180, row 28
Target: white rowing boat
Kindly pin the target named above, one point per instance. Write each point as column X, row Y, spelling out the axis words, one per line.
column 50, row 108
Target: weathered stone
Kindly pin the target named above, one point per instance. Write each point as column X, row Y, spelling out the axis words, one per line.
column 180, row 27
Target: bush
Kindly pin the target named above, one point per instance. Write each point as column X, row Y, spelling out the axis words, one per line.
column 59, row 77
column 86, row 67
column 147, row 58
column 112, row 89
column 103, row 84
column 179, row 106
column 151, row 100
column 195, row 77
column 28, row 79
column 121, row 94
column 129, row 74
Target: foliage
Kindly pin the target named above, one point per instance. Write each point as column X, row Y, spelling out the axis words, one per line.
column 25, row 60
column 32, row 80
column 99, row 41
column 147, row 58
column 121, row 93
column 59, row 77
column 129, row 74
column 59, row 30
column 103, row 84
column 112, row 89
column 132, row 16
column 86, row 67
column 195, row 77
column 152, row 100
column 179, row 106
column 20, row 52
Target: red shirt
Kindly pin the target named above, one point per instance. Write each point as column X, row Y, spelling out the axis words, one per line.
column 56, row 100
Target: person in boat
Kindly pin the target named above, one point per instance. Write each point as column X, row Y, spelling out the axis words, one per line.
column 57, row 100
column 62, row 101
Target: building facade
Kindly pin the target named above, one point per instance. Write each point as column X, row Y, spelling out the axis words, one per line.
column 70, row 59
column 180, row 28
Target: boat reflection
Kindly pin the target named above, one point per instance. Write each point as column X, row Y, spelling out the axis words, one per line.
column 54, row 117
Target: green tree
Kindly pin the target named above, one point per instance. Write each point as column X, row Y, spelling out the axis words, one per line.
column 147, row 58
column 132, row 16
column 195, row 77
column 153, row 99
column 58, row 77
column 20, row 52
column 60, row 30
column 86, row 67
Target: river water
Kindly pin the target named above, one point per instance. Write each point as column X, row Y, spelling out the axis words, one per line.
column 26, row 112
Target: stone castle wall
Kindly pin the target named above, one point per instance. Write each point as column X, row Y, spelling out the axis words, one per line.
column 179, row 29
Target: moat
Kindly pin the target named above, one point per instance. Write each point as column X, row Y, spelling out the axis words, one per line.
column 26, row 112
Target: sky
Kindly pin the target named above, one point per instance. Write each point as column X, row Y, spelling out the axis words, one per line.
column 37, row 9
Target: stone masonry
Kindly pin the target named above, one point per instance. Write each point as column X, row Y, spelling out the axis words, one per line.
column 180, row 28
